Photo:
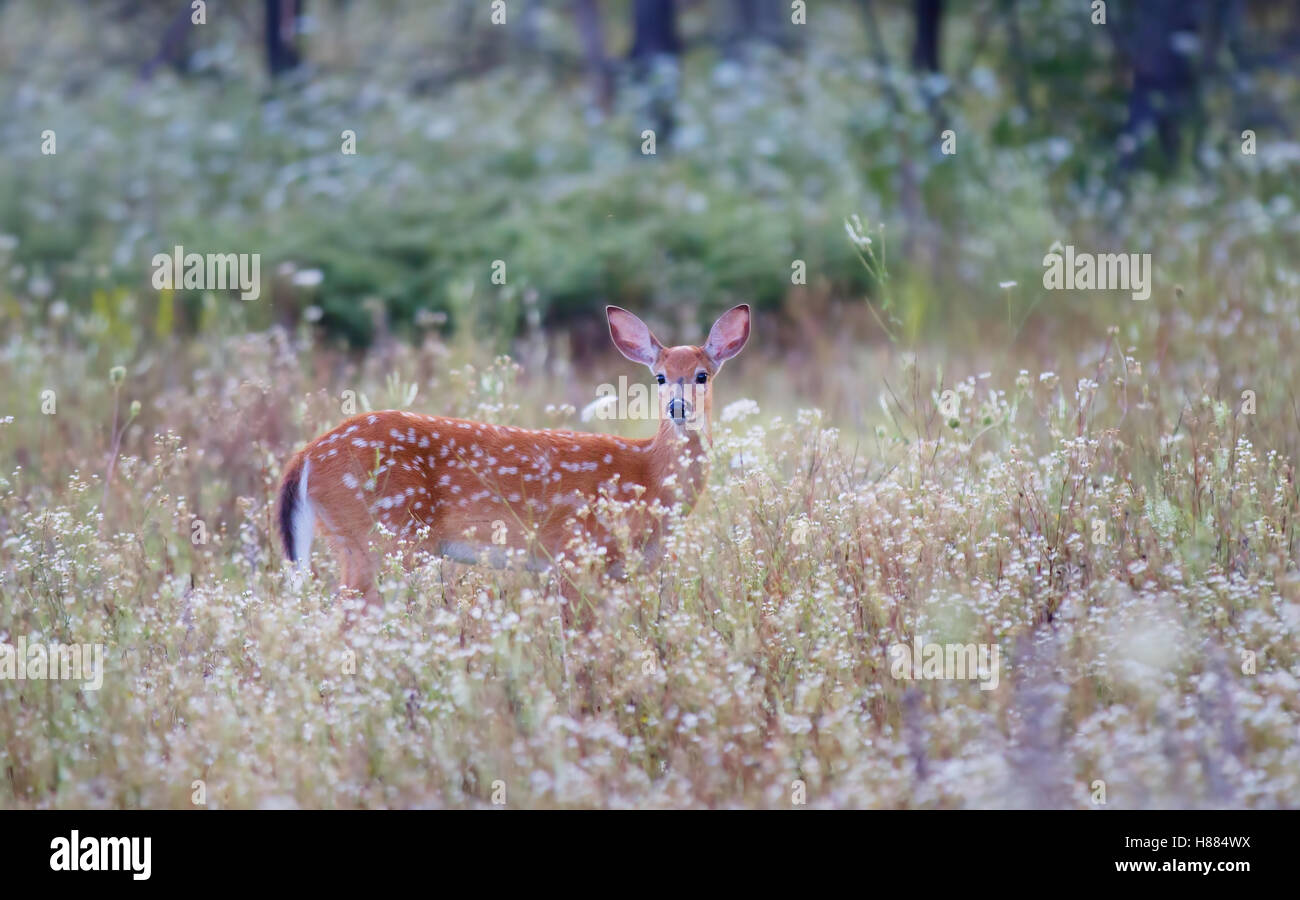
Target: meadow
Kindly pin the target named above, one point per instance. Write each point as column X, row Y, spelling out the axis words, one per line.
column 921, row 443
column 751, row 667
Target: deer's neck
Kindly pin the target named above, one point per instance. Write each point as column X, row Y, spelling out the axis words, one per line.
column 679, row 463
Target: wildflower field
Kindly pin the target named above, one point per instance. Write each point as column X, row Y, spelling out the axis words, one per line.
column 1156, row 655
column 923, row 444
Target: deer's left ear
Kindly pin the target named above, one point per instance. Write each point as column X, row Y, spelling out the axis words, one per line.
column 728, row 335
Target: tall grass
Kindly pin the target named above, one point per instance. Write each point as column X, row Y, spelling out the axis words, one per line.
column 844, row 515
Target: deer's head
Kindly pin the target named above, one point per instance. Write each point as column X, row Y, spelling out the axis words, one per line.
column 684, row 375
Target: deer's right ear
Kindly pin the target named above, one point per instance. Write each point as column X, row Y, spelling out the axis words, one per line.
column 631, row 336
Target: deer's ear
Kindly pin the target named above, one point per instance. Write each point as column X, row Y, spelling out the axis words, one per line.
column 631, row 336
column 728, row 335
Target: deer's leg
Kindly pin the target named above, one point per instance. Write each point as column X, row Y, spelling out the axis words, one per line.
column 356, row 569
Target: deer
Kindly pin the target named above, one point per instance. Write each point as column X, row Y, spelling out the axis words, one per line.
column 476, row 492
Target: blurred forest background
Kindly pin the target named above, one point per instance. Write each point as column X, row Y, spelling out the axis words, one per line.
column 523, row 142
column 919, row 443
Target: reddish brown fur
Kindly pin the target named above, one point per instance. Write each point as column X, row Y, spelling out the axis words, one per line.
column 408, row 472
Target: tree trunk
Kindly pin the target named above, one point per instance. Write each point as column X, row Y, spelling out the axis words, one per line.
column 925, row 51
column 654, row 24
column 282, row 35
column 655, row 55
column 1165, row 92
column 592, row 31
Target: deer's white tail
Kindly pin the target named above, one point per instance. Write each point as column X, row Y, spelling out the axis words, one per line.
column 297, row 517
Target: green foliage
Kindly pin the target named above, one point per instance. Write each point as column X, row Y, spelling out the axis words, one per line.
column 769, row 153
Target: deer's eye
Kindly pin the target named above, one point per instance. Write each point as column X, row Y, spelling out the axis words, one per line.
column 660, row 378
column 701, row 377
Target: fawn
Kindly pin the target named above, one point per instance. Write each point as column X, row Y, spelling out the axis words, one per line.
column 472, row 491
